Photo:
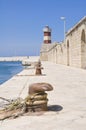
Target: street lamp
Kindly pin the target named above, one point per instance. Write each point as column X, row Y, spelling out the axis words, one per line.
column 64, row 19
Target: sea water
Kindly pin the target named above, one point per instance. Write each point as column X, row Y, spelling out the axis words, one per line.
column 9, row 69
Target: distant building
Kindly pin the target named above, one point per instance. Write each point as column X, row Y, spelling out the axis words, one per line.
column 71, row 52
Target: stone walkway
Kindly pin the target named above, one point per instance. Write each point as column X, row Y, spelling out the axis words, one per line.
column 67, row 102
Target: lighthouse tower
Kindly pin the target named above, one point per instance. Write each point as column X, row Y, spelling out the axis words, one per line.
column 47, row 35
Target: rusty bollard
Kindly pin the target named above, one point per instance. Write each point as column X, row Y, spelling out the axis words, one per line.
column 37, row 97
column 38, row 68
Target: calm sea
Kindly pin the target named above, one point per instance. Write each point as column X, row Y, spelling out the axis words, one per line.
column 9, row 69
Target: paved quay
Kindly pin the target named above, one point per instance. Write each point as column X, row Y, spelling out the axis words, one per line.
column 67, row 102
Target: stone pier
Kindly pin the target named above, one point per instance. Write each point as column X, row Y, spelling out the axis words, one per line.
column 67, row 101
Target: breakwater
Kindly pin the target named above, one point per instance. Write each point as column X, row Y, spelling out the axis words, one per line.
column 14, row 58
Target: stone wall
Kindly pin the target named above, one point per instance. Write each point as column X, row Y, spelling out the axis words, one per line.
column 73, row 43
column 76, row 43
column 58, row 54
column 83, row 46
column 73, row 51
column 44, row 56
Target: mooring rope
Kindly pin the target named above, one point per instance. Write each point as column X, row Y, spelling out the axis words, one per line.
column 23, row 88
column 8, row 100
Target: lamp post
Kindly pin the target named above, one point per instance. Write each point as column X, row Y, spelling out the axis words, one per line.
column 64, row 19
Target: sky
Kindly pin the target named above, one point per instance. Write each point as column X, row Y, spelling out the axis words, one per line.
column 22, row 23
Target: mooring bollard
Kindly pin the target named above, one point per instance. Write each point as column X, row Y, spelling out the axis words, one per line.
column 38, row 100
column 38, row 68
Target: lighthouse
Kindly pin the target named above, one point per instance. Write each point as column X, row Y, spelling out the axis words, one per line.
column 47, row 35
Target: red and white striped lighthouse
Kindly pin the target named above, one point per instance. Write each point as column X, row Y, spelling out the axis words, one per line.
column 47, row 35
